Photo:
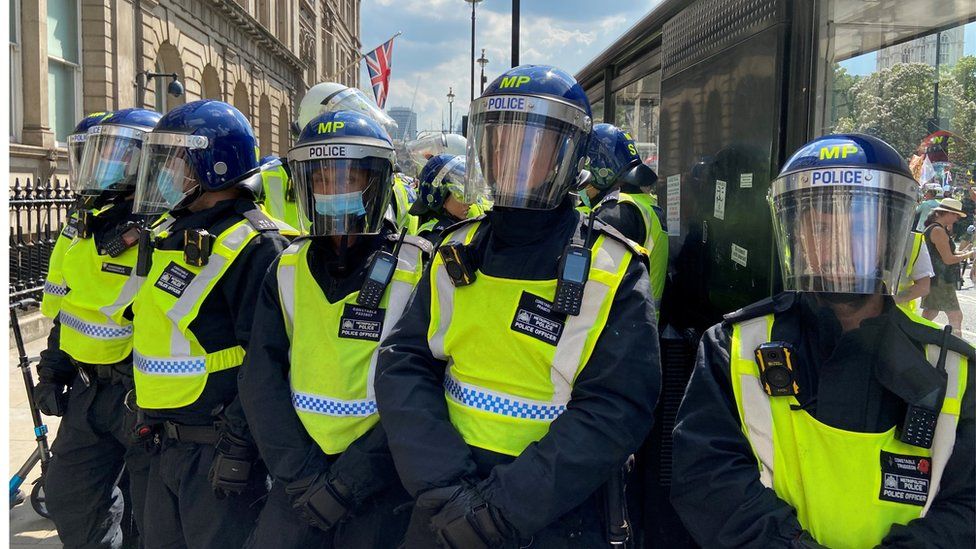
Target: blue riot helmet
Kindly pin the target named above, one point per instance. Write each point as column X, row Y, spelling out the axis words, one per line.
column 443, row 176
column 842, row 210
column 110, row 161
column 342, row 170
column 615, row 162
column 527, row 138
column 202, row 146
column 76, row 142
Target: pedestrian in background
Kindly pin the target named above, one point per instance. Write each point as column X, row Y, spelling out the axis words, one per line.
column 945, row 263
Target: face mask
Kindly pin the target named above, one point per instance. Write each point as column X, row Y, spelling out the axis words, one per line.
column 336, row 205
column 110, row 172
column 170, row 186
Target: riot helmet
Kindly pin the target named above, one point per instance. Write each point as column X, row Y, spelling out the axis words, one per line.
column 342, row 170
column 110, row 162
column 332, row 97
column 202, row 146
column 615, row 162
column 442, row 177
column 528, row 135
column 421, row 150
column 842, row 210
column 76, row 142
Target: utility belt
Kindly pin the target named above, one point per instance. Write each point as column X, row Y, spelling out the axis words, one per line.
column 107, row 374
column 195, row 434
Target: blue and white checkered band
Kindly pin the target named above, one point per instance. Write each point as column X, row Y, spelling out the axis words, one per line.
column 190, row 366
column 495, row 403
column 315, row 404
column 54, row 289
column 97, row 331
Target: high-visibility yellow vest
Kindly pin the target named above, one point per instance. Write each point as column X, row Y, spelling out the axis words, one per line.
column 171, row 367
column 848, row 488
column 401, row 194
column 918, row 240
column 511, row 361
column 334, row 346
column 655, row 241
column 55, row 287
column 279, row 203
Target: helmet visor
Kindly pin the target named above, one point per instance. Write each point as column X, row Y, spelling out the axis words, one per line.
column 842, row 238
column 110, row 161
column 421, row 150
column 76, row 149
column 353, row 99
column 166, row 173
column 524, row 158
column 342, row 196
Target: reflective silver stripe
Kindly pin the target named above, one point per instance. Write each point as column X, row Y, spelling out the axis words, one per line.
column 445, row 296
column 569, row 350
column 108, row 331
column 273, row 183
column 755, row 402
column 55, row 289
column 318, row 404
column 286, row 283
column 945, row 430
column 409, row 259
column 168, row 366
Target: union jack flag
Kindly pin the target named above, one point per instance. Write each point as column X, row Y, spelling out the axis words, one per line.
column 379, row 62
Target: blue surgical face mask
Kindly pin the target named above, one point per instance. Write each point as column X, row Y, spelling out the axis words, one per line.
column 110, row 172
column 336, row 205
column 170, row 185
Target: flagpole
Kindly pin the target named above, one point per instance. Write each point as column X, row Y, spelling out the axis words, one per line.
column 360, row 58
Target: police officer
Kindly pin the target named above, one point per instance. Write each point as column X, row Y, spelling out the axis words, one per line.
column 915, row 281
column 86, row 371
column 326, row 304
column 278, row 195
column 513, row 388
column 826, row 416
column 440, row 202
column 202, row 270
column 616, row 164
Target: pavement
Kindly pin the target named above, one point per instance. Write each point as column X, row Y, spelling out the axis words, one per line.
column 27, row 529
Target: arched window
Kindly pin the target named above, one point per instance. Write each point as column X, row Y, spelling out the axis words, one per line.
column 211, row 83
column 167, row 61
column 242, row 100
column 265, row 143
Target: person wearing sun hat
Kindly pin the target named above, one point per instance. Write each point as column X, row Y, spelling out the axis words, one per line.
column 945, row 262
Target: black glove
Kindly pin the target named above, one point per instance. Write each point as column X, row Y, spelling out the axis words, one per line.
column 322, row 501
column 468, row 521
column 51, row 398
column 806, row 541
column 231, row 468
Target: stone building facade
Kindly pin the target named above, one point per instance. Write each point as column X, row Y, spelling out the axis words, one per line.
column 70, row 57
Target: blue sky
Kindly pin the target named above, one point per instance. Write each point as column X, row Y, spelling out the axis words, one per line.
column 434, row 51
column 865, row 64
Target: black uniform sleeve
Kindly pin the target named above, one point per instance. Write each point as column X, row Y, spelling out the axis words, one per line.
column 609, row 415
column 949, row 521
column 428, row 451
column 240, row 285
column 715, row 486
column 55, row 365
column 366, row 466
column 265, row 394
column 624, row 217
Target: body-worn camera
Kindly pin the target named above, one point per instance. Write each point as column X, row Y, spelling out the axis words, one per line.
column 456, row 262
column 775, row 360
column 197, row 245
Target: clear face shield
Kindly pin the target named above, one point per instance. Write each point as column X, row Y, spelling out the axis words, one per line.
column 76, row 149
column 842, row 230
column 110, row 161
column 524, row 152
column 353, row 99
column 419, row 151
column 166, row 174
column 341, row 195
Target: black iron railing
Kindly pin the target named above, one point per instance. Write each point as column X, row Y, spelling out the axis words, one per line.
column 38, row 211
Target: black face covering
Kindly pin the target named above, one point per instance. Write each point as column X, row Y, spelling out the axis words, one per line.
column 521, row 227
column 852, row 300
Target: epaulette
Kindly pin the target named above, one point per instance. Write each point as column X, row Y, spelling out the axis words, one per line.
column 609, row 231
column 777, row 304
column 415, row 241
column 260, row 222
column 450, row 229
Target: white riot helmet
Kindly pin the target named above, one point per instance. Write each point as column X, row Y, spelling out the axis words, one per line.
column 332, row 97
